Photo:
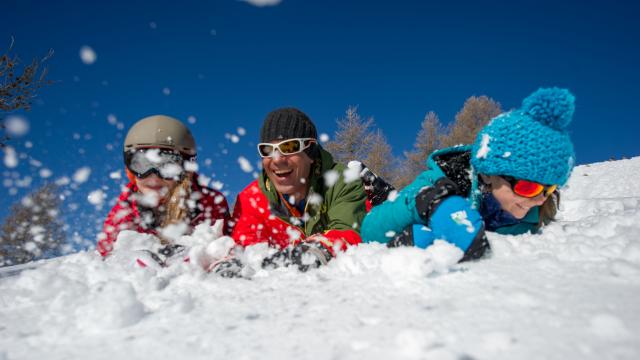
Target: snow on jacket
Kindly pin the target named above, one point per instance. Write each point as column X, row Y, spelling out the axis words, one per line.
column 453, row 163
column 335, row 211
column 127, row 214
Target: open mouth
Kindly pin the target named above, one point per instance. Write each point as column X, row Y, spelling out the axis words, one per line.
column 282, row 174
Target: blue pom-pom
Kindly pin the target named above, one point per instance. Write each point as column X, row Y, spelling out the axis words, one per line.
column 553, row 107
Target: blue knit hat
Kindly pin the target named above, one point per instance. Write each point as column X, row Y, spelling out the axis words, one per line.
column 530, row 143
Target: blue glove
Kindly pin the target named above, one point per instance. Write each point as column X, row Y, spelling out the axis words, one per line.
column 455, row 221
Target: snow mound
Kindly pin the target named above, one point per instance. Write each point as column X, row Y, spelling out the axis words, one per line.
column 569, row 292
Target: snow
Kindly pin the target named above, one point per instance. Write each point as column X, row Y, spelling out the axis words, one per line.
column 88, row 55
column 45, row 173
column 82, row 174
column 16, row 126
column 245, row 165
column 112, row 119
column 484, row 147
column 569, row 292
column 352, row 172
column 116, row 175
column 324, row 138
column 262, row 3
column 460, row 218
column 331, row 177
column 96, row 197
column 10, row 157
column 166, row 91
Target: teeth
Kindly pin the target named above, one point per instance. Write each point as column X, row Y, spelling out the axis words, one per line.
column 282, row 172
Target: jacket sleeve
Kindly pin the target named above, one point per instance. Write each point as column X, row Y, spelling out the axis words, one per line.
column 345, row 214
column 246, row 224
column 395, row 214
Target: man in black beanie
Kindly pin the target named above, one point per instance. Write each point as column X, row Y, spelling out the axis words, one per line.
column 301, row 204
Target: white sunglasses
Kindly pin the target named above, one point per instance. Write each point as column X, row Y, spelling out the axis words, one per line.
column 285, row 147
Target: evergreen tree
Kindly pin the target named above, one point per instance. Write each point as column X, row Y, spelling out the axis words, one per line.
column 476, row 113
column 356, row 139
column 353, row 138
column 33, row 229
column 380, row 159
column 18, row 87
column 428, row 139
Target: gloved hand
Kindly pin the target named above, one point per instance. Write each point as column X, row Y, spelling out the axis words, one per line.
column 310, row 255
column 448, row 216
column 457, row 222
column 305, row 255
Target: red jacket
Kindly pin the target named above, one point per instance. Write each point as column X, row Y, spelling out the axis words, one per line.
column 125, row 215
column 253, row 222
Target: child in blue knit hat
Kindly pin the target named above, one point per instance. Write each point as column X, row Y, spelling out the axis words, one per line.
column 505, row 182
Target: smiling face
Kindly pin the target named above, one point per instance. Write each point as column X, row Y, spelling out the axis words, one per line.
column 154, row 188
column 514, row 204
column 289, row 173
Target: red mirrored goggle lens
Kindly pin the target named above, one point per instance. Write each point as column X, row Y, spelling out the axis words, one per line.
column 531, row 189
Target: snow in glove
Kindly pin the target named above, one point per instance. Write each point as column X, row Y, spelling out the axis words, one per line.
column 305, row 255
column 448, row 217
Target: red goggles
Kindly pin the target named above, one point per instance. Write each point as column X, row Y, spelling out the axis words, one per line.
column 529, row 189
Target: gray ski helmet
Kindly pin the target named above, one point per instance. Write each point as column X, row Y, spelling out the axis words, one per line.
column 161, row 131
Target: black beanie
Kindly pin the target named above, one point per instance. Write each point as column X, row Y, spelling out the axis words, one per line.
column 287, row 123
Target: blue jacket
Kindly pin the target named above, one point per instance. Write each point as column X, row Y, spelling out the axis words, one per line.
column 394, row 215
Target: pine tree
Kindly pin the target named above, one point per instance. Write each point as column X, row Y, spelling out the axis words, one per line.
column 380, row 159
column 356, row 139
column 476, row 113
column 18, row 88
column 428, row 139
column 353, row 139
column 33, row 230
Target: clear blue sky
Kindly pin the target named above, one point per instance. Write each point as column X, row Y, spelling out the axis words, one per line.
column 228, row 63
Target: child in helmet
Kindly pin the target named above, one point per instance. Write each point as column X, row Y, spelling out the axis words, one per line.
column 505, row 182
column 163, row 188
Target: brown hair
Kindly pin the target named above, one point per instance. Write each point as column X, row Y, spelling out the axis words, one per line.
column 549, row 209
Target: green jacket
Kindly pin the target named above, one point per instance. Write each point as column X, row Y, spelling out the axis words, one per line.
column 335, row 211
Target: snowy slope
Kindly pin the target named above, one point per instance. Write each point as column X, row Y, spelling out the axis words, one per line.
column 570, row 293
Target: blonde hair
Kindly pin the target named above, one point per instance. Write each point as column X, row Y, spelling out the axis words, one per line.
column 175, row 209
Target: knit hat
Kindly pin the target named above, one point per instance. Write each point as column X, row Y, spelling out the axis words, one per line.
column 530, row 143
column 289, row 123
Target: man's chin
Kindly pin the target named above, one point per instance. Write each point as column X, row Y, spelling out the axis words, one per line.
column 284, row 189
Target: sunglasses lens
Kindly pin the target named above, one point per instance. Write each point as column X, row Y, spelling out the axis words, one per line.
column 527, row 188
column 289, row 147
column 265, row 150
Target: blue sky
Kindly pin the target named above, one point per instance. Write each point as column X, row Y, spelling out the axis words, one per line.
column 228, row 63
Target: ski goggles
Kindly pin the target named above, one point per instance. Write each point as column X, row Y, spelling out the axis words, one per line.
column 286, row 147
column 528, row 189
column 166, row 164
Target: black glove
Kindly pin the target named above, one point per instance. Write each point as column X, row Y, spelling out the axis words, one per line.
column 231, row 268
column 310, row 255
column 430, row 197
column 376, row 188
column 305, row 255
